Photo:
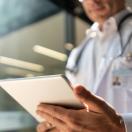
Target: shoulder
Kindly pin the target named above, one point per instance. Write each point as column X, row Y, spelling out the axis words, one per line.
column 74, row 53
column 72, row 58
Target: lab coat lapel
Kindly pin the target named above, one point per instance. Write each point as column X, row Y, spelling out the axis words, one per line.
column 106, row 62
column 103, row 70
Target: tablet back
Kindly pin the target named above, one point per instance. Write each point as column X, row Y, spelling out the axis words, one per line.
column 29, row 92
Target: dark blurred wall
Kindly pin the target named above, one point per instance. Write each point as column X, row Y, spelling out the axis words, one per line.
column 15, row 14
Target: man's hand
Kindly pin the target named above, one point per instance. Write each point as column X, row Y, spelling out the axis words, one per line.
column 97, row 117
column 46, row 127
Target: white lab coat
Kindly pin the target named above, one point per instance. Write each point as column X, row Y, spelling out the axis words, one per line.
column 111, row 65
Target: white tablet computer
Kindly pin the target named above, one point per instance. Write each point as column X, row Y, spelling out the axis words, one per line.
column 29, row 92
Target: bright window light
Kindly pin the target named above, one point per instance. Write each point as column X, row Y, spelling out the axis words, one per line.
column 50, row 53
column 21, row 64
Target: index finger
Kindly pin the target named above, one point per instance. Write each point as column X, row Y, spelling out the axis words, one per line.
column 94, row 102
column 55, row 111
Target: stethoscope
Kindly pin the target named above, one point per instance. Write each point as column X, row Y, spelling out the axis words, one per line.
column 120, row 33
column 75, row 69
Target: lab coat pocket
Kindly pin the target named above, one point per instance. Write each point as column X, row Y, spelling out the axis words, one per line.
column 122, row 73
column 122, row 84
column 122, row 94
column 121, row 69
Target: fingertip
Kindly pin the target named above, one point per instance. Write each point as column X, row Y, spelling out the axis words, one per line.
column 79, row 90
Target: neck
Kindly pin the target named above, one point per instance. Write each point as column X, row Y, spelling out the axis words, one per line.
column 101, row 23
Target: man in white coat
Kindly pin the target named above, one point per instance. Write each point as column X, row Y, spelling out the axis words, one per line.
column 103, row 62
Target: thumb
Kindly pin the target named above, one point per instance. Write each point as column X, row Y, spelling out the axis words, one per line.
column 93, row 102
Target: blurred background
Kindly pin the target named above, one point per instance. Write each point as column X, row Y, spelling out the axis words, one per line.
column 36, row 37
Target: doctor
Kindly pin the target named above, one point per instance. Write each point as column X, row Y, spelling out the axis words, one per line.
column 103, row 62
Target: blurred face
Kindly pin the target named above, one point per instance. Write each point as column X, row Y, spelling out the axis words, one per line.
column 100, row 10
